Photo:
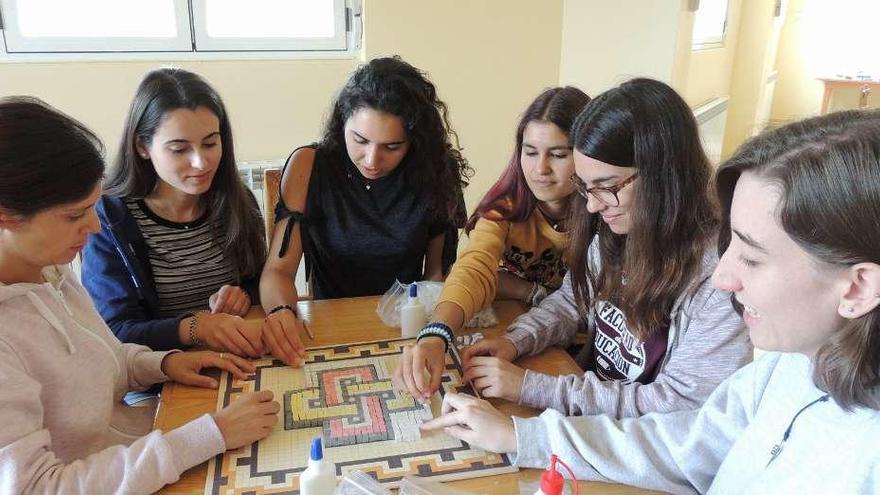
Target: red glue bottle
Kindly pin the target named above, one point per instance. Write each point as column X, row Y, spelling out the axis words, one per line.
column 552, row 481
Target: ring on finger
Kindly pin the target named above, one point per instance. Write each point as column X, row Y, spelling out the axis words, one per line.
column 222, row 355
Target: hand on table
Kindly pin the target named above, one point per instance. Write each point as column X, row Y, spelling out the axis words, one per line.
column 476, row 422
column 282, row 334
column 184, row 367
column 429, row 354
column 498, row 347
column 494, row 377
column 223, row 332
column 230, row 299
column 247, row 419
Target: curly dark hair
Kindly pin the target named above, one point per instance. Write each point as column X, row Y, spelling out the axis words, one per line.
column 396, row 87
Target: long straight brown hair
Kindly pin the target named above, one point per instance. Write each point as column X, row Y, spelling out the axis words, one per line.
column 229, row 202
column 644, row 124
column 827, row 170
column 510, row 198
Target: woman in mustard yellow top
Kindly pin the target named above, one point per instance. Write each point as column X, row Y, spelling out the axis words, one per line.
column 517, row 233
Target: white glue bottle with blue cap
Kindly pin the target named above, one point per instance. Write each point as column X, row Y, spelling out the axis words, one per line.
column 319, row 478
column 412, row 314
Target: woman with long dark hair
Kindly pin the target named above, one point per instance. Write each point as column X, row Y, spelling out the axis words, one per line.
column 656, row 335
column 378, row 199
column 63, row 425
column 800, row 245
column 518, row 233
column 181, row 245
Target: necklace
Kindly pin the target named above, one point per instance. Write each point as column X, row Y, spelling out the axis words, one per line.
column 558, row 224
column 777, row 449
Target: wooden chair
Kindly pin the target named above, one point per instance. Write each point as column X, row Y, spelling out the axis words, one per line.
column 271, row 188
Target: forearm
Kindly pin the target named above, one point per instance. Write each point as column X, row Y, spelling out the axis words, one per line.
column 512, row 287
column 277, row 287
column 553, row 322
column 449, row 314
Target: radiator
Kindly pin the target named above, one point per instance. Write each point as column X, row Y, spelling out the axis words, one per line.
column 711, row 118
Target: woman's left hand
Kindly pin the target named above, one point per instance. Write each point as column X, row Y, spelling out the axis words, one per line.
column 494, row 377
column 476, row 422
column 184, row 367
column 230, row 299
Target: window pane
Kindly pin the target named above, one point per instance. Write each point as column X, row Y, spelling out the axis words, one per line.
column 97, row 18
column 709, row 22
column 270, row 19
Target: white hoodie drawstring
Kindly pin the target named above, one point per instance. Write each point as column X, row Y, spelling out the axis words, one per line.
column 50, row 317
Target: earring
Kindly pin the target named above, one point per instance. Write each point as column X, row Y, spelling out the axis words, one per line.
column 851, row 310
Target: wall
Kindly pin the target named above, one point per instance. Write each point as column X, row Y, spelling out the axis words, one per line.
column 489, row 59
column 753, row 62
column 709, row 70
column 605, row 43
column 484, row 68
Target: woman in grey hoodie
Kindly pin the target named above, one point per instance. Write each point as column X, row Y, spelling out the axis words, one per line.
column 63, row 426
column 801, row 257
column 654, row 335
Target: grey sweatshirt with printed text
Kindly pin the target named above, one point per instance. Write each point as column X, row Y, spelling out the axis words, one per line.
column 707, row 342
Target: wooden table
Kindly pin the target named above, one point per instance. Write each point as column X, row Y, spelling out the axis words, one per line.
column 832, row 83
column 355, row 320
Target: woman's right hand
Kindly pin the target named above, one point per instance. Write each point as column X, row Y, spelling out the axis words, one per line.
column 429, row 354
column 247, row 419
column 282, row 332
column 499, row 347
column 225, row 332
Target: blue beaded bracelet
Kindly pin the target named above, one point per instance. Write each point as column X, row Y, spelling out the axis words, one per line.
column 437, row 330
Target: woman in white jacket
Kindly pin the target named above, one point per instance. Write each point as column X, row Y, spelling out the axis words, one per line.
column 63, row 426
column 801, row 257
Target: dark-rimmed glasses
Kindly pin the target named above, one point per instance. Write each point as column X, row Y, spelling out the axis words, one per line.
column 605, row 195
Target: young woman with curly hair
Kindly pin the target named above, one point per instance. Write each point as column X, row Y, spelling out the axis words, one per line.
column 378, row 199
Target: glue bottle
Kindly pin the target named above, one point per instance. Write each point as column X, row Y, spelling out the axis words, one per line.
column 319, row 478
column 412, row 314
column 552, row 481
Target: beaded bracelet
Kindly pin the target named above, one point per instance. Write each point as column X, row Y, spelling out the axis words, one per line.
column 437, row 329
column 281, row 307
column 193, row 325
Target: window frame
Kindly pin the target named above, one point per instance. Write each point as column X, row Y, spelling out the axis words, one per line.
column 347, row 44
column 205, row 43
column 15, row 43
column 716, row 41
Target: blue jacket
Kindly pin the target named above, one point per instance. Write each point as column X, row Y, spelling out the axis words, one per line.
column 117, row 273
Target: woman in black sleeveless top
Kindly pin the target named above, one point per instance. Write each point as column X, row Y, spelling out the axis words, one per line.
column 378, row 199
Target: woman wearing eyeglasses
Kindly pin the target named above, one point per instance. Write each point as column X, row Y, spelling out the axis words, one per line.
column 656, row 335
column 517, row 233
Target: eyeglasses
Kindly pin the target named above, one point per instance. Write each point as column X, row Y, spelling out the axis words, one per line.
column 605, row 195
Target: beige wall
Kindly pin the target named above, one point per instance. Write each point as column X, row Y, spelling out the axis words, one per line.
column 798, row 94
column 274, row 105
column 709, row 70
column 755, row 55
column 484, row 67
column 607, row 42
column 489, row 59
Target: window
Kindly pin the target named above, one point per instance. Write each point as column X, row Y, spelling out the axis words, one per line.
column 710, row 24
column 101, row 26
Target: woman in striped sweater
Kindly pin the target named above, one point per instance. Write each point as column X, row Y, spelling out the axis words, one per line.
column 181, row 245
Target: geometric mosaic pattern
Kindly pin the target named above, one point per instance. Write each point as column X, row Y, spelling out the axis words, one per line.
column 343, row 393
column 353, row 406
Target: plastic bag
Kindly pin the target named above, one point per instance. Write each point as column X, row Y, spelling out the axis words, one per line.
column 429, row 291
column 357, row 482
